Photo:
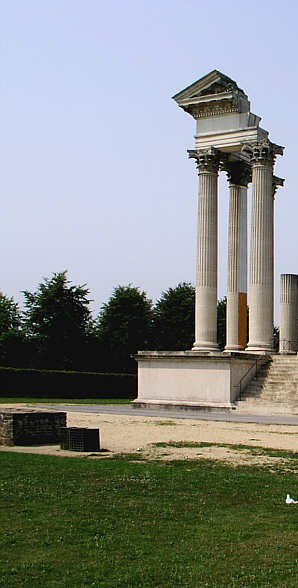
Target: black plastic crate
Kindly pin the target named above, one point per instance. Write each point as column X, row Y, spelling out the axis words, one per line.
column 80, row 439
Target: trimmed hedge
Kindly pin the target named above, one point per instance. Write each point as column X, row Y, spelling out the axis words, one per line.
column 15, row 382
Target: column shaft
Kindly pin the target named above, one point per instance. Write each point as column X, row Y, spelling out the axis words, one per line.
column 206, row 285
column 261, row 257
column 288, row 313
column 237, row 270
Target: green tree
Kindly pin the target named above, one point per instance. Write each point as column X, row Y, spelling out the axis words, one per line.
column 276, row 339
column 57, row 319
column 10, row 316
column 221, row 322
column 124, row 327
column 174, row 318
column 13, row 349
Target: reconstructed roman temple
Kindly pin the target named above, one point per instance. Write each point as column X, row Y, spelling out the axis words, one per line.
column 228, row 139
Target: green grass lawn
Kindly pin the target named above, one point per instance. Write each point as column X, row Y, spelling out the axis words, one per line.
column 7, row 400
column 77, row 522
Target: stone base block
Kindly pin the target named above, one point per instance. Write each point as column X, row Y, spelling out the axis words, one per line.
column 192, row 380
column 29, row 427
column 80, row 439
column 186, row 406
column 259, row 350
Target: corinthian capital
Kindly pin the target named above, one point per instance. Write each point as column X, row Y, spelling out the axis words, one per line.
column 238, row 172
column 207, row 160
column 263, row 152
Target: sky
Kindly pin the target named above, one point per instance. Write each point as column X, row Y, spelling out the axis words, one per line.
column 94, row 175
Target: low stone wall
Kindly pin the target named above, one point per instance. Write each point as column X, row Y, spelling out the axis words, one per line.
column 29, row 427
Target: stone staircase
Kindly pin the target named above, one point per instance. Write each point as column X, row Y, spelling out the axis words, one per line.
column 274, row 389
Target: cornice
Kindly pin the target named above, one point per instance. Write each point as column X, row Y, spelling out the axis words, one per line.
column 213, row 107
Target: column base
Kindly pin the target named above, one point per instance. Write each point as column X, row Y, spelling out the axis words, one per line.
column 259, row 348
column 208, row 346
column 234, row 348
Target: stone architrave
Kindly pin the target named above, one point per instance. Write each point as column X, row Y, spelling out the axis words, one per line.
column 206, row 282
column 239, row 174
column 262, row 246
column 288, row 313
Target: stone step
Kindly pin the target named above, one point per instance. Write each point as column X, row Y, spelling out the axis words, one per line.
column 279, row 378
column 271, row 399
column 274, row 389
column 283, row 369
column 275, row 377
column 274, row 381
column 283, row 373
column 290, row 357
column 269, row 409
column 281, row 361
column 278, row 383
column 273, row 384
column 286, row 375
column 282, row 366
column 283, row 391
column 276, row 365
column 267, row 402
column 283, row 356
column 266, row 409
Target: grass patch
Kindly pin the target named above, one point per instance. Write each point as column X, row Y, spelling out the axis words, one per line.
column 114, row 523
column 252, row 449
column 184, row 444
column 29, row 400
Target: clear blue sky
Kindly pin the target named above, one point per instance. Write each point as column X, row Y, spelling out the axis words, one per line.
column 94, row 173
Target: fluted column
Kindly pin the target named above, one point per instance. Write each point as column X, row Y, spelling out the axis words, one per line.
column 239, row 175
column 262, row 248
column 206, row 283
column 288, row 313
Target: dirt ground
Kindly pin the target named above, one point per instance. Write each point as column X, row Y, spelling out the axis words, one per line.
column 138, row 435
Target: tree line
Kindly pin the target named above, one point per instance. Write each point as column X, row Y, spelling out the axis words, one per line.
column 56, row 330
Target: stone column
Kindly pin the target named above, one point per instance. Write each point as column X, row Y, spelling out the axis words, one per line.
column 206, row 283
column 239, row 174
column 262, row 247
column 288, row 313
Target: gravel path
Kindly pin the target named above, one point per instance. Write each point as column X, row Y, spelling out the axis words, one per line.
column 136, row 433
column 126, row 409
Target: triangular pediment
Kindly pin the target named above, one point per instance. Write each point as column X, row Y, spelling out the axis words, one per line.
column 211, row 84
